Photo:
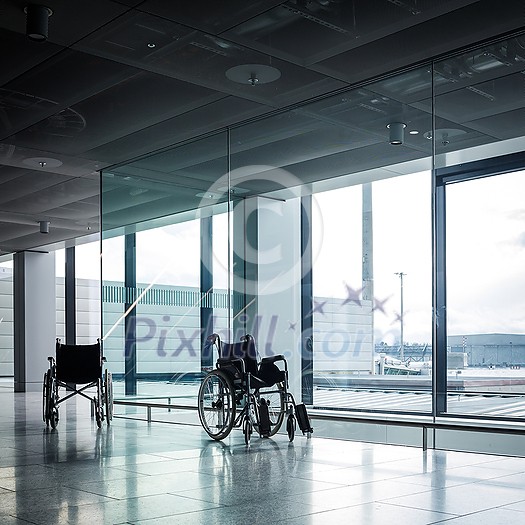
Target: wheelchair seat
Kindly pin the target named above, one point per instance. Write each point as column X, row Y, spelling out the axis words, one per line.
column 75, row 365
column 241, row 358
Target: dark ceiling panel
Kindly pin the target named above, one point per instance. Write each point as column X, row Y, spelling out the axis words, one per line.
column 52, row 87
column 17, row 183
column 212, row 17
column 59, row 195
column 9, row 231
column 502, row 126
column 307, row 32
column 481, row 20
column 18, row 54
column 138, row 102
column 485, row 99
column 69, row 22
column 202, row 59
column 177, row 129
column 120, row 79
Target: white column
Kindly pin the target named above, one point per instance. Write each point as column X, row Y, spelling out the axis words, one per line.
column 34, row 299
column 279, row 283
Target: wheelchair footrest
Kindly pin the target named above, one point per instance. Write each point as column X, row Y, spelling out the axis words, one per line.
column 302, row 418
column 264, row 419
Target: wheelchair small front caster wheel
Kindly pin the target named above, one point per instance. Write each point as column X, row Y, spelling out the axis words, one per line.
column 99, row 416
column 247, row 430
column 290, row 427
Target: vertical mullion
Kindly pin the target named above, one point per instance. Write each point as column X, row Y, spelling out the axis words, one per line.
column 130, row 323
column 70, row 297
column 206, row 288
column 307, row 343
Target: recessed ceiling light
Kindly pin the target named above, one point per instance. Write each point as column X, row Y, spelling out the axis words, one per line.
column 207, row 195
column 413, row 132
column 42, row 162
column 253, row 74
column 152, row 45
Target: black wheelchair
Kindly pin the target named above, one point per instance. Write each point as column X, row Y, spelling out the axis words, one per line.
column 76, row 365
column 258, row 388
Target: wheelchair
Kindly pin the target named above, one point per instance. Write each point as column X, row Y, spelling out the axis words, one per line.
column 77, row 365
column 258, row 389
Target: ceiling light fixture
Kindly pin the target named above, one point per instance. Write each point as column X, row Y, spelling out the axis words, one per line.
column 397, row 133
column 253, row 74
column 37, row 22
column 44, row 226
column 42, row 162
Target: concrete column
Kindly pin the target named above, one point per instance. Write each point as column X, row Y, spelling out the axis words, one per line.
column 34, row 297
column 279, row 284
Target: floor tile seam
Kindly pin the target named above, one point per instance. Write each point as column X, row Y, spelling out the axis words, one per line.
column 482, row 511
column 453, row 475
column 518, row 459
column 451, row 513
column 445, row 486
column 303, row 477
column 109, row 498
column 218, row 505
column 492, row 481
column 315, row 509
column 130, row 472
column 22, row 519
column 394, row 479
column 334, row 484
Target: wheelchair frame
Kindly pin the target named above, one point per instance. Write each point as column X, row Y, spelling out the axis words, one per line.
column 264, row 406
column 101, row 403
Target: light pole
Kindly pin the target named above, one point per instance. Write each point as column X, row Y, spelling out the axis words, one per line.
column 402, row 347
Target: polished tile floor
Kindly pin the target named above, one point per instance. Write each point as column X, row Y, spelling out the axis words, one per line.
column 161, row 473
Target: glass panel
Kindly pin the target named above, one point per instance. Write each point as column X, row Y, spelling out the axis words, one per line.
column 87, row 284
column 485, row 301
column 60, row 269
column 364, row 157
column 222, row 278
column 6, row 319
column 155, row 214
column 113, row 302
column 372, row 296
column 168, row 312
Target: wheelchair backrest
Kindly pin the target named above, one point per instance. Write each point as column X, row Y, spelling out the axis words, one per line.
column 78, row 364
column 244, row 350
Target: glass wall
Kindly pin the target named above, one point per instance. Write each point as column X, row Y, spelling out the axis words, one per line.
column 6, row 318
column 485, row 303
column 158, row 217
column 87, row 292
column 352, row 234
column 60, row 272
column 478, row 140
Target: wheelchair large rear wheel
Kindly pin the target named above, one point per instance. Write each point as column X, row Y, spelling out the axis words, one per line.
column 50, row 400
column 276, row 400
column 108, row 395
column 45, row 400
column 216, row 404
column 97, row 404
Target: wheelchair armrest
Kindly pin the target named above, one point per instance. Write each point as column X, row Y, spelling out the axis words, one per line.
column 273, row 358
column 227, row 361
